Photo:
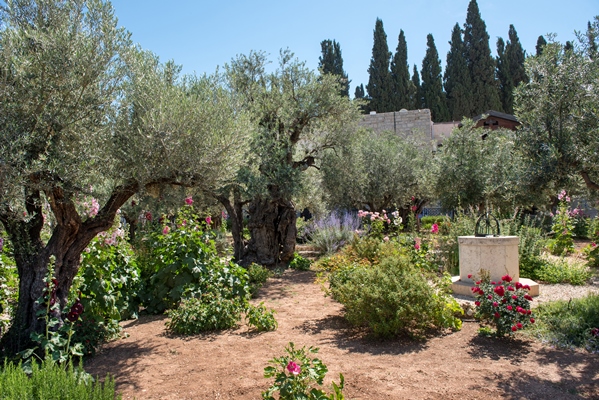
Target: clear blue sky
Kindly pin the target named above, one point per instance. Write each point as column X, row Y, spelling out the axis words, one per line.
column 201, row 35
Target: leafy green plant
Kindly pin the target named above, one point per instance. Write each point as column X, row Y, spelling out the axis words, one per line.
column 107, row 283
column 51, row 381
column 591, row 252
column 333, row 232
column 182, row 262
column 573, row 323
column 260, row 318
column 8, row 284
column 503, row 305
column 300, row 263
column 562, row 242
column 209, row 313
column 257, row 276
column 563, row 271
column 297, row 373
column 394, row 297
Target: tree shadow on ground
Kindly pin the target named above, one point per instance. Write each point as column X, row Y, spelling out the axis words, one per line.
column 278, row 287
column 511, row 349
column 125, row 359
column 344, row 336
column 578, row 371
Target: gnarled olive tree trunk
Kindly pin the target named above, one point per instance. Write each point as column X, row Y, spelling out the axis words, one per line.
column 69, row 239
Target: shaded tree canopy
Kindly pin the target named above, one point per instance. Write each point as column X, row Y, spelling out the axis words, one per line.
column 457, row 79
column 506, row 83
column 541, row 42
column 432, row 86
column 379, row 85
column 481, row 64
column 417, row 96
column 331, row 62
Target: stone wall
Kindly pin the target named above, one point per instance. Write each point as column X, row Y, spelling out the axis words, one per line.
column 403, row 122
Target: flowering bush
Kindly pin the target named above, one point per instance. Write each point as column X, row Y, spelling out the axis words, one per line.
column 503, row 304
column 295, row 375
column 375, row 222
column 563, row 225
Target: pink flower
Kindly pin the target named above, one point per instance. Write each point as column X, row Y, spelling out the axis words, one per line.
column 511, row 288
column 519, row 309
column 514, row 297
column 189, row 200
column 561, row 195
column 496, row 315
column 293, row 368
column 528, row 297
column 435, row 228
column 469, row 276
column 493, row 282
column 386, row 238
column 417, row 243
column 518, row 285
column 519, row 325
column 414, row 208
column 495, row 304
column 509, row 308
column 506, row 278
column 532, row 320
column 490, row 297
column 477, row 303
column 208, row 221
column 1, row 244
column 166, row 230
column 514, row 328
column 148, row 216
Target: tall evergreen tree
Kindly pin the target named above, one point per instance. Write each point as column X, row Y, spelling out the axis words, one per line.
column 417, row 100
column 481, row 64
column 456, row 78
column 541, row 42
column 400, row 75
column 516, row 56
column 359, row 93
column 331, row 62
column 506, row 82
column 432, row 86
column 379, row 81
column 592, row 35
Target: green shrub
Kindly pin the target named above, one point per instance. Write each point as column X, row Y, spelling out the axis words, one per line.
column 260, row 318
column 209, row 313
column 333, row 232
column 51, row 381
column 182, row 262
column 573, row 323
column 257, row 276
column 300, row 263
column 561, row 271
column 107, row 283
column 394, row 298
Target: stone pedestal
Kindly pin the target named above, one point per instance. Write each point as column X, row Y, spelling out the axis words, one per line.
column 498, row 256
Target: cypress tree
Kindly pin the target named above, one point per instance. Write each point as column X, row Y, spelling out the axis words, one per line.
column 359, row 93
column 541, row 42
column 506, row 83
column 417, row 100
column 432, row 86
column 331, row 62
column 516, row 56
column 400, row 75
column 456, row 78
column 481, row 64
column 379, row 80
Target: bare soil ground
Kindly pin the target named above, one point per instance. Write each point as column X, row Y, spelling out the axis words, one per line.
column 151, row 364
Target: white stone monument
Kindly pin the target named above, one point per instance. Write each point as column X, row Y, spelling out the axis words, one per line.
column 495, row 255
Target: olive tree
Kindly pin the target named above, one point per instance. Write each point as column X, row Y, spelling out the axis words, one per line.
column 81, row 109
column 296, row 114
column 559, row 112
column 378, row 171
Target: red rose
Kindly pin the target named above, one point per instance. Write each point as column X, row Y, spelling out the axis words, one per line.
column 528, row 297
column 509, row 308
column 496, row 314
column 477, row 303
column 519, row 325
column 469, row 276
column 532, row 320
column 514, row 328
column 514, row 297
column 499, row 290
column 506, row 278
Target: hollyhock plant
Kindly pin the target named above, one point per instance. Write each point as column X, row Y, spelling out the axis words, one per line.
column 189, row 200
column 503, row 305
column 435, row 229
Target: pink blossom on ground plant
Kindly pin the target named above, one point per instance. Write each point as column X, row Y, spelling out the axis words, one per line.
column 189, row 200
column 435, row 228
column 165, row 230
column 293, row 368
column 208, row 221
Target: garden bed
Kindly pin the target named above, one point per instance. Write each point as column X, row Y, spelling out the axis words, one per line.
column 151, row 364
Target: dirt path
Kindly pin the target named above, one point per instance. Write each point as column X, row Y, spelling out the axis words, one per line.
column 150, row 364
